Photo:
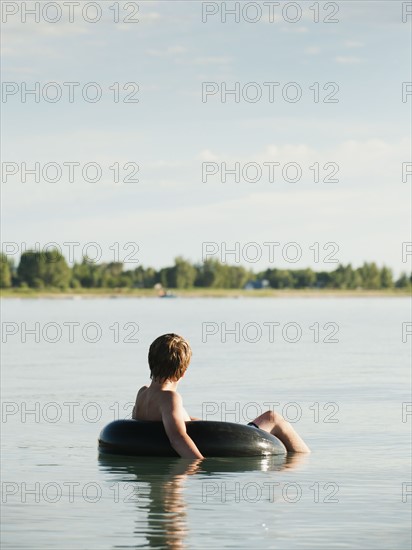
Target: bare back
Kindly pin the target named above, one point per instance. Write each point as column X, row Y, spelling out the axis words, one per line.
column 150, row 403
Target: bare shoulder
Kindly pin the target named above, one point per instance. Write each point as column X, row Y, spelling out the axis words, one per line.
column 171, row 405
column 170, row 400
column 171, row 396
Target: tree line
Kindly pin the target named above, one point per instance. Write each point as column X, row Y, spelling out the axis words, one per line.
column 49, row 270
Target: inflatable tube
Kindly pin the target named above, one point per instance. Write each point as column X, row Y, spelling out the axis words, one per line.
column 213, row 439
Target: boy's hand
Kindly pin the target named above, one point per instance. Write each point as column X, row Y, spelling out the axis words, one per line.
column 173, row 421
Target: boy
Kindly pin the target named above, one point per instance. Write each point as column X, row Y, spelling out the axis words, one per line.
column 169, row 357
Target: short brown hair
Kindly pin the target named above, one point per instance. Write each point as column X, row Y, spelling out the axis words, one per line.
column 169, row 357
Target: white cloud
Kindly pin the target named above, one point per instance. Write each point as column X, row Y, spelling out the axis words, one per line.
column 348, row 60
column 212, row 60
column 15, row 31
column 166, row 52
column 208, row 156
column 293, row 29
column 150, row 16
column 271, row 19
column 16, row 49
column 353, row 44
column 143, row 18
column 312, row 50
column 373, row 162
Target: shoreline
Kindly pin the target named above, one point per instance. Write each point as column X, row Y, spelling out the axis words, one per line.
column 76, row 294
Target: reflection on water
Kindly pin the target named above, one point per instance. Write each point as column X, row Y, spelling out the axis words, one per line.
column 162, row 480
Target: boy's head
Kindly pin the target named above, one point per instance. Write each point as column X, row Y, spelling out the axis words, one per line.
column 169, row 357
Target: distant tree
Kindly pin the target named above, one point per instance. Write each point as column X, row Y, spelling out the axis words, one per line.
column 5, row 271
column 49, row 269
column 356, row 279
column 29, row 268
column 137, row 276
column 210, row 274
column 324, row 279
column 44, row 269
column 111, row 275
column 87, row 274
column 125, row 280
column 404, row 281
column 149, row 277
column 370, row 276
column 75, row 283
column 386, row 278
column 204, row 274
column 303, row 278
column 183, row 274
column 166, row 277
column 279, row 278
column 143, row 278
column 345, row 277
column 238, row 276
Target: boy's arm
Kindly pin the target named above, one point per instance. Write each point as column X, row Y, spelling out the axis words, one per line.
column 173, row 421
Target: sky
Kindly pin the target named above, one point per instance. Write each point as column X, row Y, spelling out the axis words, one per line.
column 183, row 169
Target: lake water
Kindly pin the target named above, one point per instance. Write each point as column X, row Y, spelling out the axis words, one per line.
column 338, row 368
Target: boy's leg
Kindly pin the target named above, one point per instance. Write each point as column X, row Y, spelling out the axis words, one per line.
column 275, row 424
